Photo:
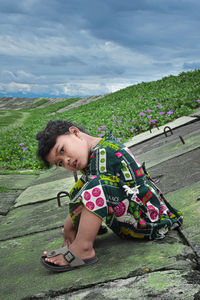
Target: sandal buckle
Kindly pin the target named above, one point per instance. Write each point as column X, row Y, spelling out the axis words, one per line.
column 69, row 256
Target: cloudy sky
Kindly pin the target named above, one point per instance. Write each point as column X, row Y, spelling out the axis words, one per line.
column 91, row 47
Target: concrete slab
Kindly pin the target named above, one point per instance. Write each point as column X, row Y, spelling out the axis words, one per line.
column 155, row 132
column 52, row 174
column 31, row 219
column 23, row 276
column 45, row 191
column 7, row 200
column 186, row 200
column 15, row 182
column 173, row 284
column 176, row 173
column 169, row 150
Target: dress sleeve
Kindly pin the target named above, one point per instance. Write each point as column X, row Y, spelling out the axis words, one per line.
column 116, row 162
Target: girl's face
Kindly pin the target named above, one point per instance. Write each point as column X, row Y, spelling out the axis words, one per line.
column 70, row 151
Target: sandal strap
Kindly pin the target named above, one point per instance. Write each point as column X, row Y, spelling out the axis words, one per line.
column 72, row 260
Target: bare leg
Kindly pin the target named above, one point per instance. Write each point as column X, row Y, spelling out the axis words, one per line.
column 69, row 232
column 82, row 246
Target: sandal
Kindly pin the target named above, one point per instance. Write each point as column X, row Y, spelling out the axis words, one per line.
column 74, row 262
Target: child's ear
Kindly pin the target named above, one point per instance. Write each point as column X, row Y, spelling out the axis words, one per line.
column 74, row 130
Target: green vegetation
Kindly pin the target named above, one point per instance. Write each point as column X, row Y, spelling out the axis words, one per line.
column 127, row 112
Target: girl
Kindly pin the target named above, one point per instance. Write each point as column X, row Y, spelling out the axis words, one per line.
column 114, row 188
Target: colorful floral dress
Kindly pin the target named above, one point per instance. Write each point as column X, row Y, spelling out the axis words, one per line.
column 116, row 188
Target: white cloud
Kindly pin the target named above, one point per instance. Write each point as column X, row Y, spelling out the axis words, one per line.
column 55, row 47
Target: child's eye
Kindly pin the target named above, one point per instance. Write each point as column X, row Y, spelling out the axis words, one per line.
column 62, row 150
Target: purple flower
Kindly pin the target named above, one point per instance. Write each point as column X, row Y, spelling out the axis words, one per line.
column 162, row 113
column 153, row 121
column 95, row 120
column 113, row 116
column 131, row 120
column 103, row 126
column 15, row 137
column 159, row 106
column 148, row 116
column 142, row 114
column 140, row 97
column 119, row 121
column 23, row 148
column 99, row 128
column 100, row 134
column 198, row 100
column 119, row 139
column 131, row 129
column 170, row 112
column 150, row 110
column 21, row 144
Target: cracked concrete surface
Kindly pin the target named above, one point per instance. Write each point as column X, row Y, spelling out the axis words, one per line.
column 164, row 269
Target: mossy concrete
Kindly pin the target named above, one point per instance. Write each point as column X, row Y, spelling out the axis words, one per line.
column 7, row 200
column 187, row 198
column 172, row 284
column 14, row 182
column 44, row 191
column 177, row 173
column 31, row 219
column 170, row 150
column 22, row 275
column 155, row 132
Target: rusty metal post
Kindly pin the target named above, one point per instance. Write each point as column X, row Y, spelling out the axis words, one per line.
column 181, row 138
column 59, row 196
column 151, row 126
column 165, row 130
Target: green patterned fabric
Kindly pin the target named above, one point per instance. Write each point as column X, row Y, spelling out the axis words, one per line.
column 116, row 188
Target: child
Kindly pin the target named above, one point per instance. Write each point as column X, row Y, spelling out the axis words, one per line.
column 114, row 188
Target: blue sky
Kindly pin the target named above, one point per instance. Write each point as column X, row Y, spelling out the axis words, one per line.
column 91, row 47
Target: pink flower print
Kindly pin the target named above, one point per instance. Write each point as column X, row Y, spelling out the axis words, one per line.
column 162, row 113
column 131, row 129
column 21, row 144
column 142, row 114
column 90, row 205
column 150, row 207
column 100, row 134
column 103, row 126
column 154, row 215
column 148, row 116
column 96, row 192
column 119, row 139
column 24, row 149
column 87, row 196
column 198, row 100
column 120, row 209
column 163, row 209
column 100, row 202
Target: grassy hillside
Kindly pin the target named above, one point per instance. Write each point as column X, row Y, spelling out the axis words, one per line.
column 128, row 112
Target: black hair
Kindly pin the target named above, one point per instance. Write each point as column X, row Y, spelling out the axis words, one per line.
column 47, row 137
